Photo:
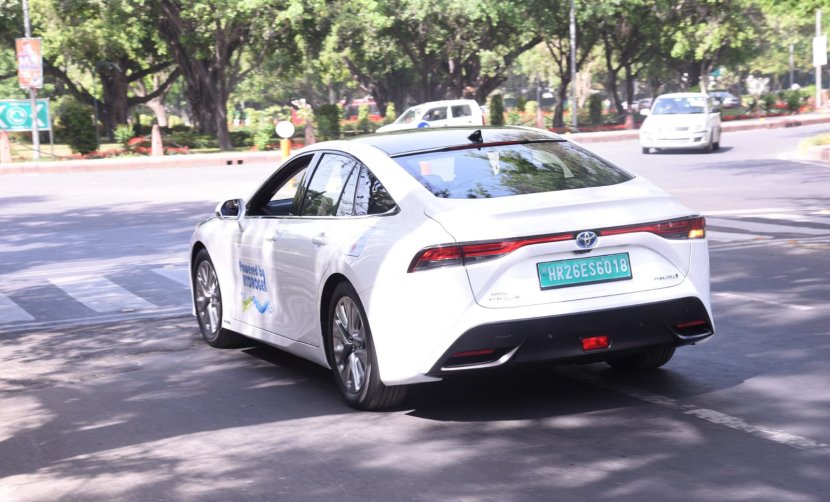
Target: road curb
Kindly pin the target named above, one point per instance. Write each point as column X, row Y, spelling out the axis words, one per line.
column 228, row 159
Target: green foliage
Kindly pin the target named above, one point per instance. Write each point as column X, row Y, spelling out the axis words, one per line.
column 328, row 121
column 768, row 102
column 123, row 133
column 595, row 108
column 531, row 107
column 363, row 124
column 496, row 110
column 514, row 117
column 819, row 140
column 391, row 115
column 793, row 99
column 79, row 130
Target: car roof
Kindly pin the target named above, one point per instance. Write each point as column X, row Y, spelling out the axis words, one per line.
column 426, row 139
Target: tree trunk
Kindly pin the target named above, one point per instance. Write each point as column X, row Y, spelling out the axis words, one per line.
column 559, row 111
column 629, row 92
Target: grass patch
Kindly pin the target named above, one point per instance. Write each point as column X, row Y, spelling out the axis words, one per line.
column 821, row 139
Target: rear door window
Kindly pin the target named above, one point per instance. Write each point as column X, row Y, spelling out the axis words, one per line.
column 512, row 169
column 326, row 188
column 461, row 111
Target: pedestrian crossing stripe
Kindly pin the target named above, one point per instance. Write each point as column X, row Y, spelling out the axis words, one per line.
column 10, row 312
column 176, row 274
column 100, row 294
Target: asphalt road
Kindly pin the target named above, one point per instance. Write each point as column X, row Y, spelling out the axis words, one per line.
column 107, row 392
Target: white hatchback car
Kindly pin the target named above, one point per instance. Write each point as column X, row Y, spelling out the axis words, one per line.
column 397, row 259
column 456, row 112
column 687, row 120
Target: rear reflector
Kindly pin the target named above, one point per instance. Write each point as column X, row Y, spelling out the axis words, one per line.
column 596, row 342
column 690, row 324
column 474, row 353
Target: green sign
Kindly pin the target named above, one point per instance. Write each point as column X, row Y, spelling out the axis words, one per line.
column 16, row 115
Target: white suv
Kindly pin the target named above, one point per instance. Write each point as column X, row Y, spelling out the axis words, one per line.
column 456, row 112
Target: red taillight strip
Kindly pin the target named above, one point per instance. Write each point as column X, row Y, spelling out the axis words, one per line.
column 442, row 256
column 462, row 254
column 684, row 228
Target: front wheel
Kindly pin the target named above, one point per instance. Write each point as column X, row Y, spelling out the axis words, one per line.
column 352, row 354
column 207, row 297
column 643, row 361
column 646, row 151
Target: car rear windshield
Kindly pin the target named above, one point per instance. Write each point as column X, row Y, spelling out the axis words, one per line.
column 511, row 169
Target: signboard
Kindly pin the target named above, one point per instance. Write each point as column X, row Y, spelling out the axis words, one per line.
column 820, row 51
column 16, row 115
column 29, row 62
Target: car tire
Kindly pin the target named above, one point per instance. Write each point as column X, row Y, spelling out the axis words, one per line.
column 352, row 354
column 207, row 298
column 716, row 146
column 643, row 361
column 646, row 151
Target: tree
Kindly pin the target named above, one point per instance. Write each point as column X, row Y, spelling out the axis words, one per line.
column 215, row 44
column 429, row 49
column 109, row 38
column 552, row 25
column 704, row 35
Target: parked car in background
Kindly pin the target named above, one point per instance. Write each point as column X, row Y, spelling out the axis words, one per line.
column 681, row 120
column 726, row 99
column 456, row 112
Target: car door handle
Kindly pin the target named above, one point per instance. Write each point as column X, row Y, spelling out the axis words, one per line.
column 320, row 240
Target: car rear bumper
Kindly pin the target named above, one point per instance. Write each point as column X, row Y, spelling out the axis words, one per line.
column 558, row 339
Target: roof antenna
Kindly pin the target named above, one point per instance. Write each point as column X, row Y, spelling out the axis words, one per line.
column 475, row 137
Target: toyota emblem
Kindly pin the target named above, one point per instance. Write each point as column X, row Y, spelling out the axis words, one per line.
column 586, row 240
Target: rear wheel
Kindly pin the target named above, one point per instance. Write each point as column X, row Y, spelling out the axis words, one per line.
column 208, row 301
column 643, row 361
column 352, row 354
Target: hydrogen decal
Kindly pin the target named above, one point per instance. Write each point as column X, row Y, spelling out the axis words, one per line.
column 253, row 300
column 253, row 277
column 358, row 246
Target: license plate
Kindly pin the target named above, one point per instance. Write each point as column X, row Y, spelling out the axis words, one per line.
column 589, row 270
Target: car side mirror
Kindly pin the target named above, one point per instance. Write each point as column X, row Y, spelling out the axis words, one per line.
column 645, row 112
column 233, row 209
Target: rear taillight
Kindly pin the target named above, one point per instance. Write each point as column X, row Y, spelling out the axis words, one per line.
column 466, row 254
column 685, row 228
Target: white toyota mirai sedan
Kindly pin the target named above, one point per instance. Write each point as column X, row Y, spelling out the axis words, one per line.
column 402, row 258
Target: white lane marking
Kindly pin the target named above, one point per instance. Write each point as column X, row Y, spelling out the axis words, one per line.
column 61, row 269
column 100, row 294
column 177, row 274
column 765, row 227
column 746, row 298
column 715, row 235
column 798, row 218
column 739, row 212
column 711, row 416
column 11, row 312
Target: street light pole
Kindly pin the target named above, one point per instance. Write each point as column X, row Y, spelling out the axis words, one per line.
column 818, row 67
column 32, row 92
column 573, row 66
